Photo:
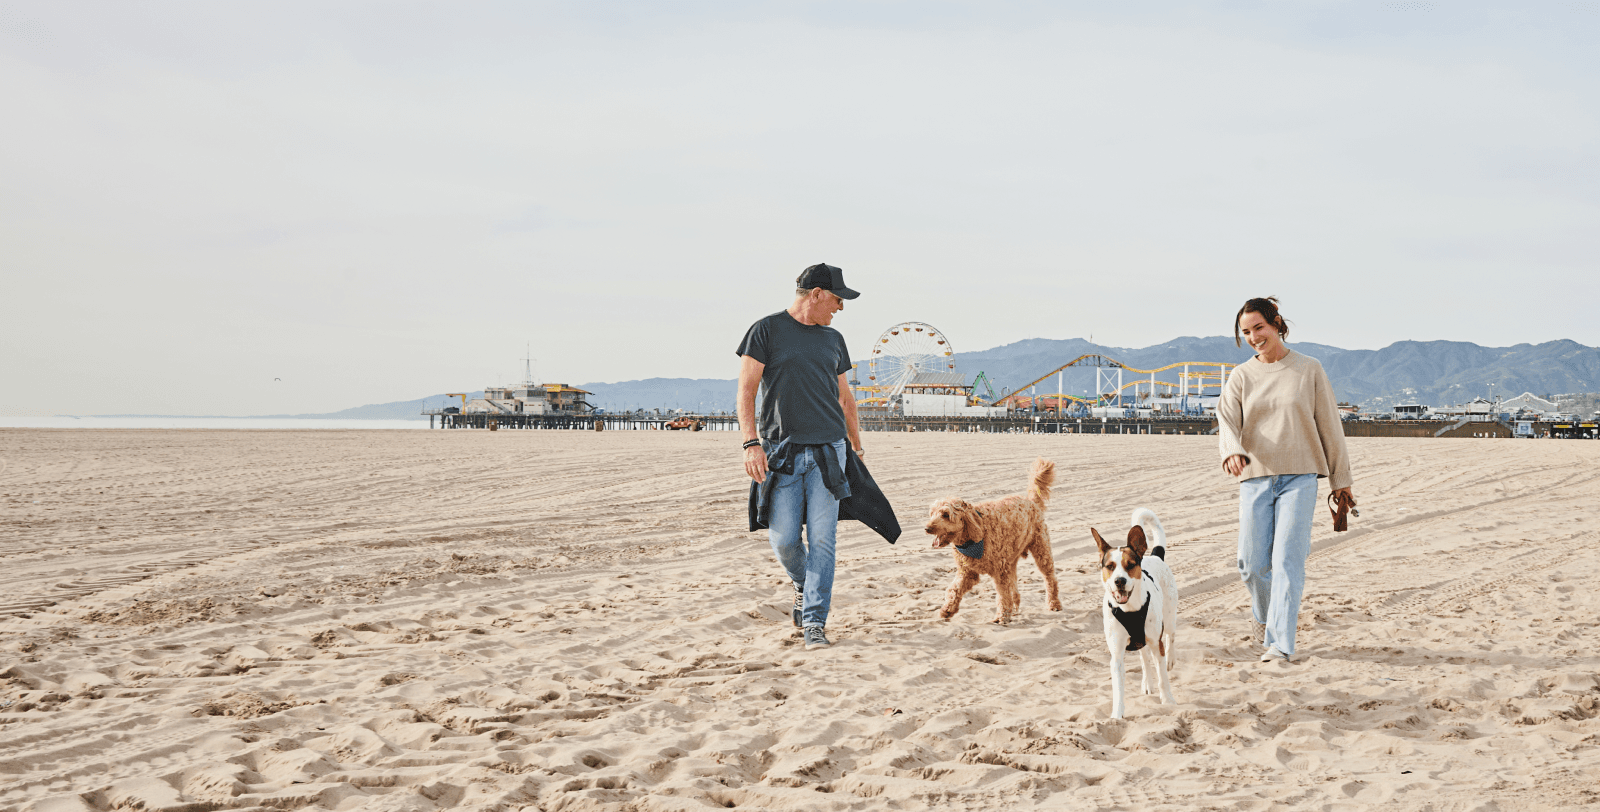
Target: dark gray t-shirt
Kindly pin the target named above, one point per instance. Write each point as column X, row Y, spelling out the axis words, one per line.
column 799, row 398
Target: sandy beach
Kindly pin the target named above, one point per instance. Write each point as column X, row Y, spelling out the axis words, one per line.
column 199, row 620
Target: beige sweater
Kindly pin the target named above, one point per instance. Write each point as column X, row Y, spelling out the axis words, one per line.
column 1284, row 419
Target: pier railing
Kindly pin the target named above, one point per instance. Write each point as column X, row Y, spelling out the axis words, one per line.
column 1021, row 423
column 495, row 421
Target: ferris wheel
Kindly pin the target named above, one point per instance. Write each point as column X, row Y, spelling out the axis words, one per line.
column 906, row 349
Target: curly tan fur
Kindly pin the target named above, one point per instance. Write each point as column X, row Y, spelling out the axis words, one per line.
column 1010, row 527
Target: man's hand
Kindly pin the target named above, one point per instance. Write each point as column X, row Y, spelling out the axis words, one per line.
column 755, row 463
column 755, row 457
column 1235, row 464
column 1346, row 492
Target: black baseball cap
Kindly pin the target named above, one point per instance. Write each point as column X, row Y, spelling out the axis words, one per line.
column 828, row 278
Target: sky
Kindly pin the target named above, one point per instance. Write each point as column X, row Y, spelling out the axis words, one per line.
column 288, row 207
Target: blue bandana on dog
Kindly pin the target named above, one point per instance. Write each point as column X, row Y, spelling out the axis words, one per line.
column 972, row 549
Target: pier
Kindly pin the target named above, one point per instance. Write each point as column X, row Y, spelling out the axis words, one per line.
column 1049, row 424
column 453, row 419
column 1041, row 424
column 1019, row 423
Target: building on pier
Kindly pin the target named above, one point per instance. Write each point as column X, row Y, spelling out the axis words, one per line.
column 940, row 394
column 1529, row 403
column 555, row 399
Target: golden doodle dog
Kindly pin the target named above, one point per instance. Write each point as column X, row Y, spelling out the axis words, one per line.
column 989, row 538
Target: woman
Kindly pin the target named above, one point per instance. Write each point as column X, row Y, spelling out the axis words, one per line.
column 1280, row 433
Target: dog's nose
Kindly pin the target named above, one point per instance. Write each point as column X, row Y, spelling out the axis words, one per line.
column 1121, row 583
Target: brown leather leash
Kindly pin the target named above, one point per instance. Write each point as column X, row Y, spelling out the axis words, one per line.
column 1343, row 506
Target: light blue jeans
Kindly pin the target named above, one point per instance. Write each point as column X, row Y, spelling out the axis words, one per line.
column 1274, row 541
column 798, row 499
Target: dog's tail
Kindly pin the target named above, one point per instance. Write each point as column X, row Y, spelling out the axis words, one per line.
column 1043, row 476
column 1146, row 518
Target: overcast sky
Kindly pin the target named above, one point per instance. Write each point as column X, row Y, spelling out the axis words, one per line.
column 376, row 201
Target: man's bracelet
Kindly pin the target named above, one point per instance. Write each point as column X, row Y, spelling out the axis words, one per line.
column 748, row 443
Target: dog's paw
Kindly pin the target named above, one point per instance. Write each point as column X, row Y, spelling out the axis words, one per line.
column 1055, row 606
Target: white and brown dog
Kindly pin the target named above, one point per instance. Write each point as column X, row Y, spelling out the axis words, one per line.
column 1140, row 609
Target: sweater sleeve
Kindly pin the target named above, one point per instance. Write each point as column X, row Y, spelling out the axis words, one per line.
column 1230, row 418
column 1330, row 429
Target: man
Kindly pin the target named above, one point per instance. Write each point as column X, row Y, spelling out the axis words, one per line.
column 807, row 415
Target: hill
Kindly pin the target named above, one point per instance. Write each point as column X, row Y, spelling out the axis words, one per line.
column 1450, row 372
column 700, row 395
column 1013, row 365
column 1434, row 372
column 396, row 410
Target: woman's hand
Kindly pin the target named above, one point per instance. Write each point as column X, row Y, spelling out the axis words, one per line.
column 1235, row 464
column 1346, row 492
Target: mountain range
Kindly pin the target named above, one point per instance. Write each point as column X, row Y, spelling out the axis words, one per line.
column 1437, row 373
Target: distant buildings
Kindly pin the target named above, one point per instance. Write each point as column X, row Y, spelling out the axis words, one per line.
column 530, row 399
column 1582, row 404
column 1526, row 406
column 1529, row 402
column 942, row 394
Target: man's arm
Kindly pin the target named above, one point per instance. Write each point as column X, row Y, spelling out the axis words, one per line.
column 755, row 457
column 847, row 399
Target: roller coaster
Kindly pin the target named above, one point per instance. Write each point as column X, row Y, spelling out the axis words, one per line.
column 914, row 357
column 1195, row 378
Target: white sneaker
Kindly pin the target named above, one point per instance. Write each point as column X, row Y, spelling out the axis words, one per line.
column 1273, row 655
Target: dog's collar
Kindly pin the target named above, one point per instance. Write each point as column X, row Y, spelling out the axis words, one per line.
column 972, row 549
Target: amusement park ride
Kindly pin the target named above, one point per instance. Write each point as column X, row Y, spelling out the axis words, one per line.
column 903, row 352
column 915, row 357
column 1196, row 377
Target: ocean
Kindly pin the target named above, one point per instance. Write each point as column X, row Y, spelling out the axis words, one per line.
column 236, row 423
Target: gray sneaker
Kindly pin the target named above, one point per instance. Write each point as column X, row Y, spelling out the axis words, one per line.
column 815, row 638
column 799, row 603
column 1258, row 632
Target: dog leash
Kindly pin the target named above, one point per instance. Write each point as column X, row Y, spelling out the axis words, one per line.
column 1342, row 505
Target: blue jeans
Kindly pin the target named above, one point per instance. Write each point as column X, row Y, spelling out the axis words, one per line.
column 1275, row 540
column 798, row 499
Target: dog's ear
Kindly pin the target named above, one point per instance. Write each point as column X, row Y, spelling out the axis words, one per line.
column 1100, row 542
column 1136, row 541
column 970, row 531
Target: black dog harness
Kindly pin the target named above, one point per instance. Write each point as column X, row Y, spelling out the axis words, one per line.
column 1134, row 621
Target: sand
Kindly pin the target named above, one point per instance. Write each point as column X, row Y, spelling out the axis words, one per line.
column 206, row 620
